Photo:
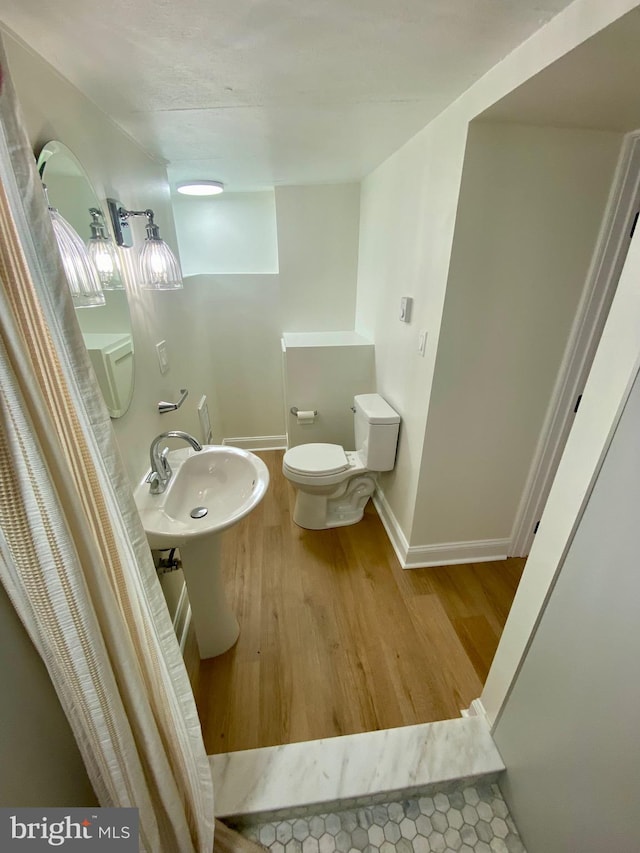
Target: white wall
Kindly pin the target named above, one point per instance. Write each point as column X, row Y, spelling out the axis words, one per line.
column 242, row 317
column 318, row 252
column 529, row 212
column 117, row 167
column 323, row 373
column 228, row 233
column 408, row 211
column 613, row 371
column 242, row 326
column 568, row 732
column 408, row 208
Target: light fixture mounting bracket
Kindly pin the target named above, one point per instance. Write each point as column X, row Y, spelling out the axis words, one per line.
column 119, row 220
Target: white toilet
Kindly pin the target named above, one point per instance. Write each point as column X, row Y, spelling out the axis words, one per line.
column 333, row 484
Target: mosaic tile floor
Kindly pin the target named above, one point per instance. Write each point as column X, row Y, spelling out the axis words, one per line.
column 471, row 819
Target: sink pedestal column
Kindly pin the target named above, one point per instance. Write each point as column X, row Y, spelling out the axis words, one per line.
column 215, row 624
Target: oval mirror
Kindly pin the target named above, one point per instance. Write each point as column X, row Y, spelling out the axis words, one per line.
column 106, row 329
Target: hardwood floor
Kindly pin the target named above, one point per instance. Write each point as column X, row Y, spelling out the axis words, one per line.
column 335, row 638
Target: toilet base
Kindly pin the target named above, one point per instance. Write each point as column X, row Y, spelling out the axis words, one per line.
column 343, row 507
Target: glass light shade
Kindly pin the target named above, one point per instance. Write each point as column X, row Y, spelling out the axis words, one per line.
column 105, row 259
column 159, row 267
column 81, row 273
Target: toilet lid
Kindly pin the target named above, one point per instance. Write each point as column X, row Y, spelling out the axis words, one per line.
column 316, row 459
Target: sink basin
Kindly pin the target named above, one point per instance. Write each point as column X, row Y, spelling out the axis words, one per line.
column 225, row 481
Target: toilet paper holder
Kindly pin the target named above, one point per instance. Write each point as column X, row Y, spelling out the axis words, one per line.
column 294, row 411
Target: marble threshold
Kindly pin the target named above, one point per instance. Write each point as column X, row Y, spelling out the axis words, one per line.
column 303, row 778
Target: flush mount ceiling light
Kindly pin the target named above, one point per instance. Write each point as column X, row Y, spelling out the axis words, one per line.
column 200, row 187
column 103, row 253
column 159, row 267
column 82, row 275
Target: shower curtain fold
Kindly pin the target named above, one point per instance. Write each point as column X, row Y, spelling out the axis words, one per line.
column 73, row 556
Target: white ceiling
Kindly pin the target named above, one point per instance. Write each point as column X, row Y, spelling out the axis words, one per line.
column 264, row 92
column 596, row 85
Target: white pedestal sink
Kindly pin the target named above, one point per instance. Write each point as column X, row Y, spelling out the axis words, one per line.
column 228, row 483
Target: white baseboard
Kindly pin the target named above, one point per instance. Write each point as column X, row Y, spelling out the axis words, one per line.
column 258, row 442
column 441, row 554
column 456, row 553
column 182, row 618
column 185, row 630
column 475, row 709
column 390, row 523
column 181, row 611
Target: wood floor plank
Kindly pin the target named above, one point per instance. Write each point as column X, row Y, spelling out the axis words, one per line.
column 453, row 679
column 335, row 638
column 227, row 840
column 479, row 641
column 500, row 588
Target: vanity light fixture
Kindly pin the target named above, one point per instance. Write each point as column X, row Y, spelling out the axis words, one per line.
column 200, row 187
column 82, row 275
column 159, row 267
column 103, row 253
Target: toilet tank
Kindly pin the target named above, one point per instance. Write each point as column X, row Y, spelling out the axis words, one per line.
column 376, row 431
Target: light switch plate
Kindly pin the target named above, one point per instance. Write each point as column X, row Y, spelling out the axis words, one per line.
column 163, row 356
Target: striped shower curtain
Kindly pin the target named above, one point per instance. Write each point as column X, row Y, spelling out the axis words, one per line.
column 73, row 555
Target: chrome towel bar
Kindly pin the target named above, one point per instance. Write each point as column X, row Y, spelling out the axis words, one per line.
column 164, row 407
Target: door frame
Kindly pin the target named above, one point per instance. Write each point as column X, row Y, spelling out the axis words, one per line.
column 600, row 287
column 615, row 366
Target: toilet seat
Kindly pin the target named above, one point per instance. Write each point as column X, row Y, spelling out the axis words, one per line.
column 316, row 460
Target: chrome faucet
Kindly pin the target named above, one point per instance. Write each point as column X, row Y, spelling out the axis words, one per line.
column 160, row 468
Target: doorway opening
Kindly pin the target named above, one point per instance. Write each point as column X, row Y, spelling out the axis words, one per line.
column 338, row 638
column 618, row 227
